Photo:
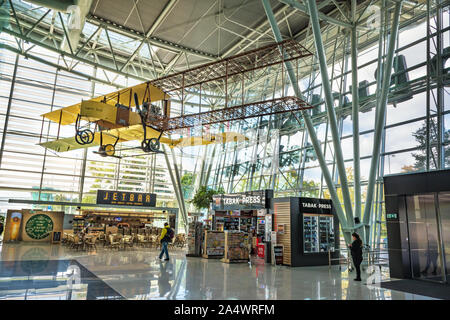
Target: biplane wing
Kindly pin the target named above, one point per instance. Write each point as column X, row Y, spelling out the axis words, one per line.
column 224, row 137
column 69, row 144
column 113, row 136
column 136, row 132
column 68, row 115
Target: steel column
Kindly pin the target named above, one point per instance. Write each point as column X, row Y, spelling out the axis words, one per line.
column 8, row 108
column 380, row 116
column 180, row 191
column 175, row 188
column 440, row 89
column 309, row 125
column 330, row 109
column 355, row 115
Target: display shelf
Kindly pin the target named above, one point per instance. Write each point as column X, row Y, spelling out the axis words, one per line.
column 194, row 239
column 236, row 248
column 213, row 244
column 231, row 223
column 245, row 224
column 78, row 225
column 318, row 233
column 260, row 226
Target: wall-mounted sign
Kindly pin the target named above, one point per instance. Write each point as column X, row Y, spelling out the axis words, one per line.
column 14, row 225
column 280, row 228
column 314, row 205
column 261, row 212
column 126, row 198
column 273, row 237
column 245, row 200
column 39, row 226
column 392, row 216
column 32, row 225
column 278, row 254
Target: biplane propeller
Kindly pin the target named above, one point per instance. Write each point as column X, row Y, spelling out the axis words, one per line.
column 108, row 120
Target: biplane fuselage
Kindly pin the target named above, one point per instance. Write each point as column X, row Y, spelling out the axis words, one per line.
column 108, row 116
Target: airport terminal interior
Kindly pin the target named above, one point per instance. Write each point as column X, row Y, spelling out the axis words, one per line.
column 225, row 150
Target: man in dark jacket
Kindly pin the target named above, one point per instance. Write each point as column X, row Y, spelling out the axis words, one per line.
column 165, row 239
column 357, row 255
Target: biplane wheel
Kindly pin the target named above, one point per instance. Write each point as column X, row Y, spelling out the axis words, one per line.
column 145, row 145
column 150, row 145
column 109, row 150
column 84, row 137
column 154, row 144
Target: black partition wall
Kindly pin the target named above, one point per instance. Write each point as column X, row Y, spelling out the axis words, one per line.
column 418, row 225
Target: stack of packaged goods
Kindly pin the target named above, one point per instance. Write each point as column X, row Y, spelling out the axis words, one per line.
column 236, row 249
column 214, row 244
column 191, row 239
column 194, row 239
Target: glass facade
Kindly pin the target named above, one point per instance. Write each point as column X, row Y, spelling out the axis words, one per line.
column 30, row 172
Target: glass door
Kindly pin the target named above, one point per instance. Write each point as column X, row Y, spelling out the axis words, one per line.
column 424, row 241
column 444, row 215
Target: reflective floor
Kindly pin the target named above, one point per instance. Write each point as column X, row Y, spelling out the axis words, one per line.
column 44, row 271
column 51, row 280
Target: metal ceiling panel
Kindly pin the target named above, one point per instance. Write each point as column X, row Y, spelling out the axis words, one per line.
column 124, row 12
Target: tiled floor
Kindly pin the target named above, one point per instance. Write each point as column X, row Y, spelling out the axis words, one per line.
column 40, row 271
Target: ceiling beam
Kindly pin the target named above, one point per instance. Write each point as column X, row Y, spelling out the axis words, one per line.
column 264, row 24
column 167, row 45
column 161, row 17
column 301, row 7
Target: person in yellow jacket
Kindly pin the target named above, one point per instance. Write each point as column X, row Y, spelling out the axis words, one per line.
column 165, row 238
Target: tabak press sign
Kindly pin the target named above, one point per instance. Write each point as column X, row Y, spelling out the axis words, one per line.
column 245, row 200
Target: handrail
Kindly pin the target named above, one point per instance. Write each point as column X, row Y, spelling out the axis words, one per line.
column 373, row 256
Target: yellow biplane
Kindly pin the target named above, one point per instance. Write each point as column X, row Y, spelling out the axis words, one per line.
column 108, row 120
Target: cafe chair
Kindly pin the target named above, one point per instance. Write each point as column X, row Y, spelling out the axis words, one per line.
column 113, row 242
column 77, row 243
column 90, row 243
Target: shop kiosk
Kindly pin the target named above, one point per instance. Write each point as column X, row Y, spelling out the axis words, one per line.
column 308, row 230
column 246, row 212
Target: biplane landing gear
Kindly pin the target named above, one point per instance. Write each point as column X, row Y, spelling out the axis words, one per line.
column 107, row 150
column 151, row 145
column 84, row 136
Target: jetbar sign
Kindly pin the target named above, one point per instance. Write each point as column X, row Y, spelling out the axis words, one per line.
column 126, row 198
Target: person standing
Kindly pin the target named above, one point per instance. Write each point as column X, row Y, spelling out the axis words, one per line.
column 357, row 255
column 165, row 238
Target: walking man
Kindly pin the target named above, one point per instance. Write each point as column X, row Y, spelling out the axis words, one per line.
column 166, row 237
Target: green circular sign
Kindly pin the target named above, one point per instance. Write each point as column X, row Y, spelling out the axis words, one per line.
column 39, row 226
